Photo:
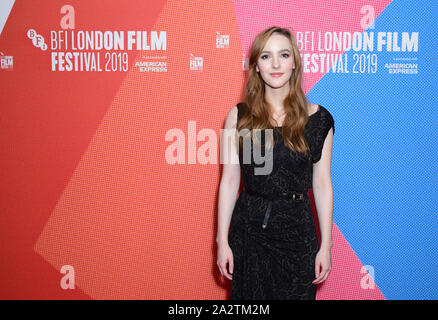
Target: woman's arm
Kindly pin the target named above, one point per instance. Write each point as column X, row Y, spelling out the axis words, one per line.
column 229, row 186
column 323, row 194
column 230, row 181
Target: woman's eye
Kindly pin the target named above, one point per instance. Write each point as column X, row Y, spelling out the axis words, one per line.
column 284, row 55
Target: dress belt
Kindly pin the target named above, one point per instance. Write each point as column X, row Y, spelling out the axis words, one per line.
column 294, row 196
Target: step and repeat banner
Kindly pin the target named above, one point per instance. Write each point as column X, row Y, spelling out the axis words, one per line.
column 110, row 121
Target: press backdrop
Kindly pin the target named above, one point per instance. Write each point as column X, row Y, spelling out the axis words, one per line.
column 100, row 98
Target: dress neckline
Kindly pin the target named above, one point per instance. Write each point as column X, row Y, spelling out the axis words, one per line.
column 317, row 111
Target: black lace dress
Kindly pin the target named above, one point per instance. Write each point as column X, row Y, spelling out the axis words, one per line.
column 272, row 233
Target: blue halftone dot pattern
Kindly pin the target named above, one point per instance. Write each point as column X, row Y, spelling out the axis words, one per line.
column 384, row 157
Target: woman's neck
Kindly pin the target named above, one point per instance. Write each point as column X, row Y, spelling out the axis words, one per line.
column 275, row 97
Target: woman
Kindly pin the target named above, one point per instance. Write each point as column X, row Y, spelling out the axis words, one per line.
column 267, row 240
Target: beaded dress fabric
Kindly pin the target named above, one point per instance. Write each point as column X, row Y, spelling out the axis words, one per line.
column 272, row 232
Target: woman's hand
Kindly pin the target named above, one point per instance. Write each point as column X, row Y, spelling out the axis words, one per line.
column 323, row 265
column 224, row 257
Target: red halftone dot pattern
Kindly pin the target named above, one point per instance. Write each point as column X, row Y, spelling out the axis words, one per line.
column 132, row 225
column 48, row 120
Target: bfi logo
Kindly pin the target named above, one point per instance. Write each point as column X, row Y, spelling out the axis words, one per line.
column 222, row 41
column 196, row 63
column 7, row 62
column 245, row 63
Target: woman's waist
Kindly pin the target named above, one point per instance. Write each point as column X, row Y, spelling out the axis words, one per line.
column 292, row 195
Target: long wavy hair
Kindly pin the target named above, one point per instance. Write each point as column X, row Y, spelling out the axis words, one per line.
column 257, row 111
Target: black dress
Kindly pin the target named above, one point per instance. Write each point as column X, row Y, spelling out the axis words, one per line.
column 272, row 234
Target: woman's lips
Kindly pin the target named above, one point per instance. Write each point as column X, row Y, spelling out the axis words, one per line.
column 276, row 75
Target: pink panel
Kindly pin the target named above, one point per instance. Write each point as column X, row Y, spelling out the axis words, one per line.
column 348, row 279
column 300, row 16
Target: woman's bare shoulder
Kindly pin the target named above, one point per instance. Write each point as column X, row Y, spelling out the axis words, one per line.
column 231, row 121
column 312, row 108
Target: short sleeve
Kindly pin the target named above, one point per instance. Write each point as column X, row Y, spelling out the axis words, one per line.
column 323, row 125
column 240, row 111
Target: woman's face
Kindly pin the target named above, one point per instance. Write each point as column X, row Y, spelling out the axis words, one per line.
column 276, row 62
